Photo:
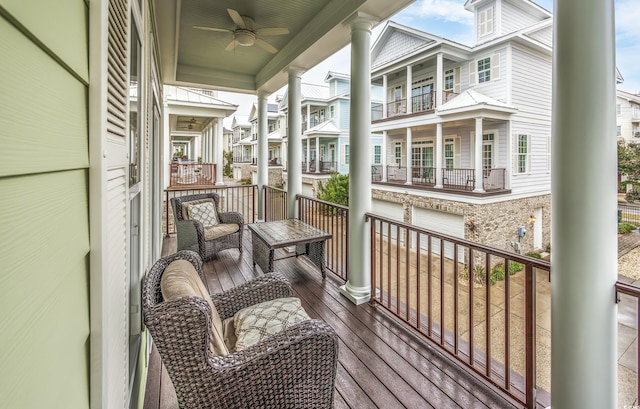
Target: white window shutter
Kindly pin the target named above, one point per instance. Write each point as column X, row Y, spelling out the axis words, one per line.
column 514, row 153
column 456, row 153
column 456, row 80
column 495, row 66
column 473, row 73
column 489, row 21
column 482, row 20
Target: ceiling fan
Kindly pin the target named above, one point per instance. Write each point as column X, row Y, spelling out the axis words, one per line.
column 245, row 34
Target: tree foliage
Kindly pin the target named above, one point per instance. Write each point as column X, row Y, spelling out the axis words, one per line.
column 629, row 160
column 336, row 189
column 228, row 157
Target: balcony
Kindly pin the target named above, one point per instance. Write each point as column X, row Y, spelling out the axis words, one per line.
column 192, row 175
column 420, row 104
column 459, row 180
column 325, row 167
column 451, row 323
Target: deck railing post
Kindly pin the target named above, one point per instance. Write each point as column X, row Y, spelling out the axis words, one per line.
column 530, row 336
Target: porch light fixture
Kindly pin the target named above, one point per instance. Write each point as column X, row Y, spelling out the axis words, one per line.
column 245, row 37
column 532, row 219
column 470, row 225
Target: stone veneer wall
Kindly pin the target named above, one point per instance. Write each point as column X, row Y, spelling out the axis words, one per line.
column 495, row 223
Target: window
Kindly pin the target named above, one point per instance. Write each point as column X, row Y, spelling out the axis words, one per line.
column 346, row 155
column 448, row 80
column 484, row 70
column 618, row 109
column 397, row 93
column 332, row 111
column 422, row 154
column 619, row 130
column 377, row 154
column 449, row 154
column 522, row 153
column 398, row 153
column 487, row 151
column 485, row 21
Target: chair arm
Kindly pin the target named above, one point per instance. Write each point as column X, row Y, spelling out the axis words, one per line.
column 293, row 368
column 263, row 288
column 188, row 232
column 231, row 217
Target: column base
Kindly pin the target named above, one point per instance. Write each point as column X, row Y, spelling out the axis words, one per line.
column 220, row 183
column 479, row 191
column 259, row 220
column 355, row 295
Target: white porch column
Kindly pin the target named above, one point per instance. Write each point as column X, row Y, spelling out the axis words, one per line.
column 408, row 162
column 294, row 142
column 308, row 160
column 317, row 154
column 409, row 92
column 439, row 158
column 477, row 154
column 584, row 205
column 385, row 93
column 385, row 141
column 439, row 79
column 308, row 116
column 217, row 150
column 263, row 151
column 358, row 287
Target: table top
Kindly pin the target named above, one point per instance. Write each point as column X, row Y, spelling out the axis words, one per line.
column 283, row 233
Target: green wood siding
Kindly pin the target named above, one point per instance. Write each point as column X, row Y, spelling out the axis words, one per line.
column 44, row 327
column 44, row 210
column 50, row 22
column 43, row 126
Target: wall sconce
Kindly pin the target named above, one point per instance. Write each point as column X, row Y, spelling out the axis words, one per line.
column 470, row 225
column 532, row 219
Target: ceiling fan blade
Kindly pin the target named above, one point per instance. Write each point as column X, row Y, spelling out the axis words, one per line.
column 237, row 18
column 266, row 46
column 224, row 30
column 272, row 31
column 231, row 45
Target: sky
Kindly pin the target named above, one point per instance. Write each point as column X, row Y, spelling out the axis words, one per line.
column 449, row 19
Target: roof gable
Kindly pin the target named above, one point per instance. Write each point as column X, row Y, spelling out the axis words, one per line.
column 394, row 42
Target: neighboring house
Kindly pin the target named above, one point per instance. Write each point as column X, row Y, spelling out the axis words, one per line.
column 628, row 116
column 275, row 147
column 242, row 147
column 467, row 129
column 227, row 139
column 325, row 129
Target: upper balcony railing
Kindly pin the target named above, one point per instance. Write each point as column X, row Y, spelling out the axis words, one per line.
column 459, row 179
column 313, row 122
column 191, row 174
column 325, row 167
column 421, row 103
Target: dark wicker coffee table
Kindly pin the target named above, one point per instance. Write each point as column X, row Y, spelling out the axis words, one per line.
column 268, row 236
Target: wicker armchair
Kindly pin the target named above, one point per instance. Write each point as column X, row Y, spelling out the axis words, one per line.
column 191, row 234
column 295, row 368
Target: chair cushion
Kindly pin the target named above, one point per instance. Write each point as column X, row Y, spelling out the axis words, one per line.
column 204, row 212
column 184, row 207
column 255, row 323
column 219, row 230
column 180, row 279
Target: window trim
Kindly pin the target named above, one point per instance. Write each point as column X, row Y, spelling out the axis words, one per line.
column 518, row 155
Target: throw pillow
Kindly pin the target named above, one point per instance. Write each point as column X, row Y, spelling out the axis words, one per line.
column 260, row 321
column 205, row 213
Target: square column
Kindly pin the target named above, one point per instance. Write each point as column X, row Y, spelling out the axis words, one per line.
column 409, row 99
column 408, row 162
column 439, row 156
column 217, row 141
column 478, row 158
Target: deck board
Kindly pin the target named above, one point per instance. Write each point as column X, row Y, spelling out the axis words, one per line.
column 382, row 363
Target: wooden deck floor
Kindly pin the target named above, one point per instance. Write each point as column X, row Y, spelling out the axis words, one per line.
column 381, row 363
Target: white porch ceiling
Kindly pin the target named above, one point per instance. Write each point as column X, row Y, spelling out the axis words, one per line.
column 195, row 57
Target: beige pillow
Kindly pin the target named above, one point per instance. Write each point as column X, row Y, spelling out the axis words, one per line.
column 219, row 230
column 255, row 323
column 180, row 279
column 185, row 211
column 204, row 212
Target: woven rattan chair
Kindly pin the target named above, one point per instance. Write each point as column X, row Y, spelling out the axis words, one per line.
column 191, row 234
column 295, row 368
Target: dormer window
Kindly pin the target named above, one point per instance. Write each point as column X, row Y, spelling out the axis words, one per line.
column 485, row 21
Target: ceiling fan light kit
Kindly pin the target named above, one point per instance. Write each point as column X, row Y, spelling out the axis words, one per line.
column 245, row 35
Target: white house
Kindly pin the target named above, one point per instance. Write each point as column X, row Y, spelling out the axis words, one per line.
column 439, row 97
column 242, row 147
column 628, row 116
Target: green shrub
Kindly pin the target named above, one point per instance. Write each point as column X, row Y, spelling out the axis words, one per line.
column 534, row 254
column 246, row 181
column 548, row 248
column 633, row 195
column 514, row 267
column 497, row 273
column 336, row 190
column 626, row 227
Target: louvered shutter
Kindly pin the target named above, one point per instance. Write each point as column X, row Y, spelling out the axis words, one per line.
column 456, row 80
column 495, row 67
column 473, row 73
column 456, row 152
